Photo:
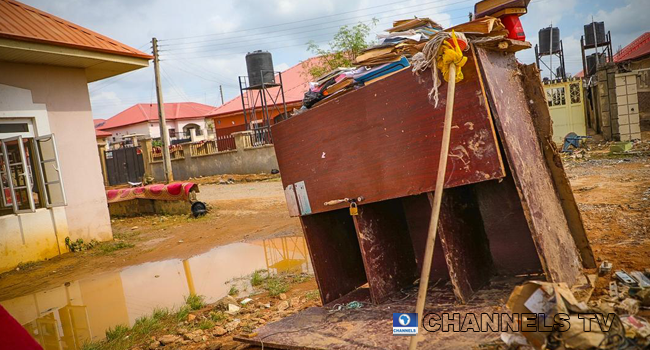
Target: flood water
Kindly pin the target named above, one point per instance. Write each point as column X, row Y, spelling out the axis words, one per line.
column 68, row 316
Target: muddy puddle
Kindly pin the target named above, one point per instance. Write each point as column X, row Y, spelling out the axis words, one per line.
column 70, row 315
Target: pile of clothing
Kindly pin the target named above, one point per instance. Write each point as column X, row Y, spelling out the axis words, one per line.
column 391, row 54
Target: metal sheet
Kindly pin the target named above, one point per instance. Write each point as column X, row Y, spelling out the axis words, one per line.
column 292, row 202
column 303, row 198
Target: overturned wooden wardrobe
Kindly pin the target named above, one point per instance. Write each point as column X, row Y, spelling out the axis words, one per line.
column 506, row 209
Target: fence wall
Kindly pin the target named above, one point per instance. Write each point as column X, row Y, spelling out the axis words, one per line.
column 204, row 159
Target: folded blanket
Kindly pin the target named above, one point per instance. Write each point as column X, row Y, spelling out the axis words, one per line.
column 173, row 192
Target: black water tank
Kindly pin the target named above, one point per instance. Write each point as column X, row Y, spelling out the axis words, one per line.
column 591, row 63
column 589, row 33
column 259, row 65
column 545, row 36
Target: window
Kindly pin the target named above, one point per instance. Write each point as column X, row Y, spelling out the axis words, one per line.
column 172, row 132
column 555, row 96
column 7, row 128
column 29, row 174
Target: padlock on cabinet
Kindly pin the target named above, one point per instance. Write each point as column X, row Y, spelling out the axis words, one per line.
column 354, row 210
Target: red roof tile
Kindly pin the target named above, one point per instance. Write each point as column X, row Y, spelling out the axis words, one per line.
column 101, row 134
column 145, row 112
column 22, row 22
column 295, row 81
column 637, row 48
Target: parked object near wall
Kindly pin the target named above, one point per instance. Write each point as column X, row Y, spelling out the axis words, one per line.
column 173, row 199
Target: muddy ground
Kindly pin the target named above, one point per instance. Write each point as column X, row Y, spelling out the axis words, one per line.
column 612, row 191
column 239, row 211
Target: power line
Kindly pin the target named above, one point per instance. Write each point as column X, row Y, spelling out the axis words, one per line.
column 299, row 21
column 348, row 21
column 258, row 47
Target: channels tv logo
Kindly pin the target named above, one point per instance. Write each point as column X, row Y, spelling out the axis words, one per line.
column 405, row 324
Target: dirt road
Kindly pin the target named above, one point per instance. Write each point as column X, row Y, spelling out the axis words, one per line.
column 240, row 211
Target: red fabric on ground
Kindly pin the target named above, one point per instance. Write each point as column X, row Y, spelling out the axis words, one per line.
column 13, row 336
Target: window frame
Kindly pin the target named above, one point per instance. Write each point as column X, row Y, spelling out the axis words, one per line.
column 28, row 185
column 57, row 167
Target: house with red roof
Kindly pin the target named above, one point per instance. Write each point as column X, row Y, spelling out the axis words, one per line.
column 229, row 117
column 51, row 184
column 185, row 121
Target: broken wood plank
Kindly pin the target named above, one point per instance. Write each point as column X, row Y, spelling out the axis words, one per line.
column 511, row 243
column 546, row 220
column 464, row 242
column 386, row 248
column 544, row 127
column 382, row 141
column 334, row 252
column 418, row 215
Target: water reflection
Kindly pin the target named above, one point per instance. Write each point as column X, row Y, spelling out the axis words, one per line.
column 68, row 316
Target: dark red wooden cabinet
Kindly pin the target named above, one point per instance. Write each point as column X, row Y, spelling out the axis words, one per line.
column 382, row 142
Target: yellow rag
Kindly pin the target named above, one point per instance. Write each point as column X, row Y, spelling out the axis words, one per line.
column 451, row 54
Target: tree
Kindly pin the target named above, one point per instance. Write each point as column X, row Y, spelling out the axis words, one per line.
column 344, row 48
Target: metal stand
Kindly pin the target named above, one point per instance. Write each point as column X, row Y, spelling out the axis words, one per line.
column 260, row 104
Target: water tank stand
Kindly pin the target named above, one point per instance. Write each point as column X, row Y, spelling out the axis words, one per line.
column 261, row 104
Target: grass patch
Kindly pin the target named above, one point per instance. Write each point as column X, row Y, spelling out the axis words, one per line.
column 195, row 302
column 117, row 333
column 27, row 265
column 182, row 313
column 114, row 246
column 206, row 324
column 275, row 286
column 312, row 295
column 299, row 278
column 258, row 277
column 233, row 291
column 218, row 316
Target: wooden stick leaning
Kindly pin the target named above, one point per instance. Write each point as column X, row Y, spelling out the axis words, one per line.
column 435, row 210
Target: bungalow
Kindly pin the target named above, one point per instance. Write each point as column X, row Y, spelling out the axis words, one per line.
column 47, row 135
column 185, row 120
column 229, row 117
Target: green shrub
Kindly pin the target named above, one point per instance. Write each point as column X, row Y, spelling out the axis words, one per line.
column 195, row 302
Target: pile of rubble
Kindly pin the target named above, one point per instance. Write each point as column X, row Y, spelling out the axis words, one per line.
column 554, row 316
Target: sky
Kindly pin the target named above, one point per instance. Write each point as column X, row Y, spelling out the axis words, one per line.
column 203, row 42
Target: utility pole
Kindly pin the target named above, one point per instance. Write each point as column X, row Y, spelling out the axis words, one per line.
column 221, row 91
column 164, row 136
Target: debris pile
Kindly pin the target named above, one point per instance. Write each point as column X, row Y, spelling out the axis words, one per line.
column 397, row 49
column 391, row 54
column 552, row 316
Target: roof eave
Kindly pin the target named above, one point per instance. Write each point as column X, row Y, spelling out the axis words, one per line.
column 240, row 111
column 98, row 65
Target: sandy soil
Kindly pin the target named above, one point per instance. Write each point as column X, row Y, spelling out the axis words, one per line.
column 238, row 212
column 613, row 194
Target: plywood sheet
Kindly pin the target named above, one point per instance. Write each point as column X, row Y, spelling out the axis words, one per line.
column 334, row 252
column 543, row 126
column 540, row 201
column 464, row 242
column 386, row 248
column 383, row 141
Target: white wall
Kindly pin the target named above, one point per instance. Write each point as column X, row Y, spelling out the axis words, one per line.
column 152, row 130
column 64, row 93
